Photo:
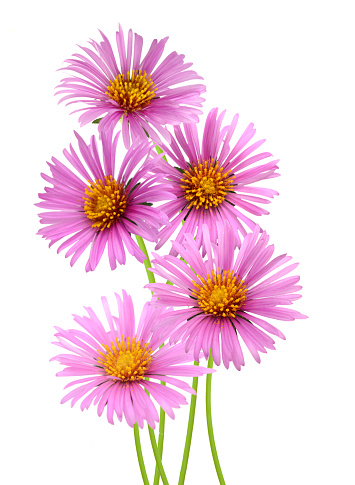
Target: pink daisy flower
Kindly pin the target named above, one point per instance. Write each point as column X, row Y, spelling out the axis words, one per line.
column 113, row 365
column 213, row 182
column 226, row 299
column 89, row 205
column 141, row 91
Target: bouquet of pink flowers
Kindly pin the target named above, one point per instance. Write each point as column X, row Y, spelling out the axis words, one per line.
column 219, row 284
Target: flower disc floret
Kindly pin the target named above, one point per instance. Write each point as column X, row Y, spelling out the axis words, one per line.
column 132, row 92
column 206, row 184
column 105, row 202
column 128, row 359
column 220, row 295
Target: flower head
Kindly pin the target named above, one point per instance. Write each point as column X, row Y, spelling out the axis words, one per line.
column 225, row 298
column 141, row 91
column 214, row 182
column 112, row 364
column 95, row 206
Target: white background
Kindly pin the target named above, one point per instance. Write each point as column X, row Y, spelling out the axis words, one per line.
column 286, row 66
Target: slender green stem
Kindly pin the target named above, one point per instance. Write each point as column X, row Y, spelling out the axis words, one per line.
column 190, row 427
column 139, row 454
column 158, row 451
column 160, row 441
column 161, row 430
column 158, row 468
column 209, row 422
column 157, row 457
column 146, row 262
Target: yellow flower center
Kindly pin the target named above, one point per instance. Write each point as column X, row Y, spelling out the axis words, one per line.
column 132, row 92
column 206, row 185
column 127, row 359
column 104, row 202
column 220, row 295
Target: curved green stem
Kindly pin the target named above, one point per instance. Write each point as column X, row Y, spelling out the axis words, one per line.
column 139, row 454
column 146, row 262
column 161, row 430
column 157, row 473
column 157, row 457
column 189, row 431
column 209, row 422
column 160, row 441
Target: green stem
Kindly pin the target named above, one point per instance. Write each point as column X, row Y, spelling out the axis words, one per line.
column 157, row 456
column 161, row 429
column 189, row 431
column 209, row 422
column 139, row 454
column 146, row 262
column 151, row 279
column 160, row 441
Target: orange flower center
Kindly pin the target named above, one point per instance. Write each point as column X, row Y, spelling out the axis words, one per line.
column 133, row 91
column 104, row 202
column 206, row 184
column 127, row 359
column 221, row 295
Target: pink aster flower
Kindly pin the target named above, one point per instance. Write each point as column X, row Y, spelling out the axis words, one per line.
column 90, row 205
column 226, row 298
column 112, row 365
column 141, row 91
column 215, row 182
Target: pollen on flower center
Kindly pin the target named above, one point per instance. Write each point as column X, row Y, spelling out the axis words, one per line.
column 218, row 294
column 127, row 359
column 206, row 184
column 133, row 91
column 104, row 202
column 221, row 294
